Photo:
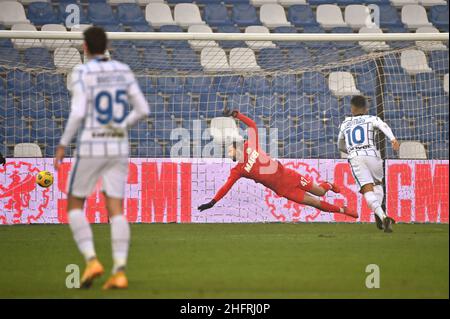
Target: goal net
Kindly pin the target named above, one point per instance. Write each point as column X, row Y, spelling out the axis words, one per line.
column 298, row 92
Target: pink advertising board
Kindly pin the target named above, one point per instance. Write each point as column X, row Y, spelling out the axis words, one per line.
column 165, row 191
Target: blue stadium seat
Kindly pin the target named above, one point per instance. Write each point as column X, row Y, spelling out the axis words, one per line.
column 19, row 132
column 59, row 105
column 285, row 84
column 438, row 61
column 272, row 59
column 130, row 14
column 353, row 53
column 319, row 45
column 229, row 84
column 391, row 108
column 211, row 105
column 367, row 82
column 63, row 14
column 327, row 106
column 8, row 109
column 438, row 15
column 38, row 58
column 240, row 102
column 412, row 105
column 156, row 102
column 245, row 15
column 139, row 131
column 5, row 43
column 267, row 105
column 146, row 43
column 402, row 129
column 295, row 149
column 392, row 64
column 426, row 130
column 20, row 82
column 173, row 43
column 313, row 82
column 299, row 105
column 233, row 2
column 40, row 13
column 312, row 129
column 149, row 148
column 389, row 17
column 50, row 84
column 437, row 107
column 439, row 150
column 344, row 2
column 216, row 15
column 146, row 84
column 185, row 59
column 327, row 149
column 207, row 2
column 286, row 44
column 329, row 56
column 299, row 58
column 302, row 16
column 129, row 56
column 344, row 44
column 169, row 85
column 230, row 44
column 429, row 84
column 198, row 84
column 33, row 106
column 398, row 83
column 45, row 131
column 156, row 59
column 182, row 105
column 101, row 14
column 9, row 56
column 162, row 127
column 282, row 123
column 256, row 85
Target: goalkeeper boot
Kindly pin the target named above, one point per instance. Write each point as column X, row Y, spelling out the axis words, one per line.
column 379, row 222
column 387, row 224
column 117, row 281
column 93, row 270
column 349, row 212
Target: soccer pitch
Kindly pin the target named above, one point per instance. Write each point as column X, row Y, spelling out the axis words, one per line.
column 235, row 261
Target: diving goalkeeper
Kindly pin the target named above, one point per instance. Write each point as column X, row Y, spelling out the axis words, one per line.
column 255, row 164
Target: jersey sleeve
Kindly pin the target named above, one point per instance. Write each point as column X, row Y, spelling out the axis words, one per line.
column 341, row 142
column 78, row 107
column 252, row 130
column 234, row 176
column 138, row 101
column 382, row 126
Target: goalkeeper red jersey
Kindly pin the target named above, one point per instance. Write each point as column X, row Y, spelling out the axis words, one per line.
column 260, row 167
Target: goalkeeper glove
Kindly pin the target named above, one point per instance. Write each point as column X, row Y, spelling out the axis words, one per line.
column 228, row 112
column 2, row 159
column 207, row 205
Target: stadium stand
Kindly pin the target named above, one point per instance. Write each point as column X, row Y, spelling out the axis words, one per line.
column 330, row 16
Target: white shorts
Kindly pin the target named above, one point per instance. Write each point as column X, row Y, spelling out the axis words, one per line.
column 367, row 170
column 86, row 172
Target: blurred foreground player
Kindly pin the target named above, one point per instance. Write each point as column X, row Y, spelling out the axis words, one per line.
column 255, row 164
column 357, row 139
column 101, row 90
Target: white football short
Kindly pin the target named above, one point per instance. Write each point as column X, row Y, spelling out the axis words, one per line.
column 367, row 170
column 86, row 172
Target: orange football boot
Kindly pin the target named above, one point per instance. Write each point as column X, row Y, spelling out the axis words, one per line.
column 349, row 212
column 117, row 281
column 93, row 270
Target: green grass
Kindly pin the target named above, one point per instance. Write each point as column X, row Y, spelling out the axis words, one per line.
column 235, row 261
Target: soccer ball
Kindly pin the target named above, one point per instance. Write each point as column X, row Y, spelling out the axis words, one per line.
column 44, row 179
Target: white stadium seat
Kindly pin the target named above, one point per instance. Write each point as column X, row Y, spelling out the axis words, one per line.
column 52, row 44
column 11, row 13
column 145, row 2
column 287, row 3
column 371, row 46
column 273, row 15
column 358, row 16
column 27, row 150
column 330, row 16
column 27, row 1
column 66, row 58
column 199, row 44
column 415, row 16
column 214, row 60
column 429, row 45
column 342, row 84
column 187, row 14
column 115, row 2
column 446, row 83
column 412, row 150
column 243, row 59
column 23, row 44
column 414, row 61
column 401, row 3
column 258, row 3
column 430, row 3
column 158, row 14
column 256, row 45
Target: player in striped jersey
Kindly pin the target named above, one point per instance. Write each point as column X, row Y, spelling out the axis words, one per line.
column 101, row 92
column 357, row 139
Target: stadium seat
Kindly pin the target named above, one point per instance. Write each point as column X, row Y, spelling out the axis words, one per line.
column 330, row 56
column 144, row 44
column 156, row 59
column 330, row 16
column 148, row 148
column 430, row 3
column 391, row 108
column 412, row 105
column 272, row 59
column 241, row 102
column 371, row 46
column 414, row 61
column 414, row 16
column 429, row 45
column 22, row 44
column 66, row 58
column 244, row 15
column 428, row 84
column 367, row 82
column 287, row 3
column 33, row 106
column 27, row 150
column 256, row 45
column 273, row 15
column 185, row 59
column 412, row 150
column 259, row 3
column 358, row 16
column 101, row 14
column 182, row 105
column 313, row 82
column 169, row 85
column 199, row 44
column 11, row 13
column 401, row 3
column 243, row 59
column 214, row 60
column 342, row 84
column 211, row 105
column 130, row 14
column 49, row 83
column 446, row 83
column 146, row 84
column 187, row 14
column 286, row 44
column 20, row 82
column 230, row 44
column 299, row 58
column 158, row 14
column 216, row 15
column 231, row 84
column 256, row 85
column 173, row 43
column 389, row 17
column 285, row 84
column 438, row 61
column 52, row 44
column 398, row 83
column 317, row 45
column 267, row 105
column 45, row 130
column 41, row 13
column 118, row 2
column 130, row 56
column 301, row 15
column 439, row 16
column 63, row 14
column 344, row 44
column 439, row 150
column 198, row 84
column 38, row 58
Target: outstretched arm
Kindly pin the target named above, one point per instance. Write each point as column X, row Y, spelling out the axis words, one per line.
column 382, row 126
column 252, row 129
column 222, row 192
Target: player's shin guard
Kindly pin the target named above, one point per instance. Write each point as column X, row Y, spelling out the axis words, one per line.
column 374, row 204
column 82, row 233
column 120, row 237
